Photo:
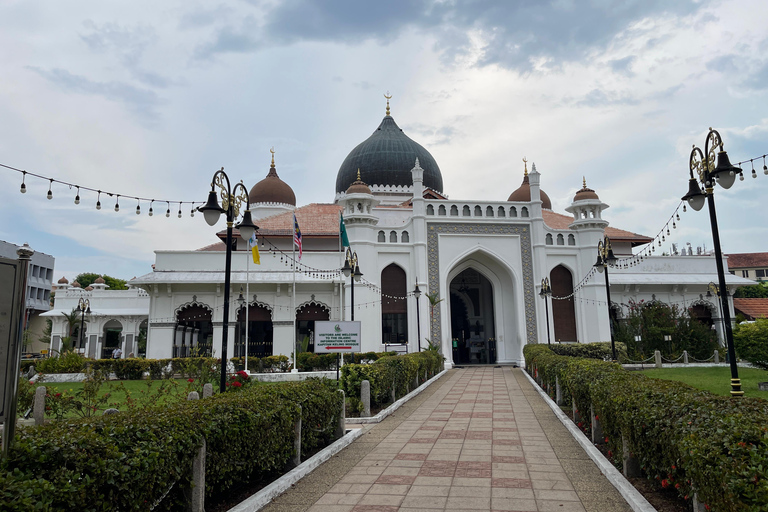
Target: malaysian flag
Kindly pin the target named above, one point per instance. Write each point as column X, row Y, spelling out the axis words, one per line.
column 296, row 234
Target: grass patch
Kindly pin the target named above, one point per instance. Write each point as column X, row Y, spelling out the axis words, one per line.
column 716, row 380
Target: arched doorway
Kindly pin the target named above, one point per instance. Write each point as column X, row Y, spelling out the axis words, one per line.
column 473, row 326
column 194, row 331
column 112, row 336
column 306, row 316
column 563, row 310
column 141, row 339
column 394, row 308
column 260, row 333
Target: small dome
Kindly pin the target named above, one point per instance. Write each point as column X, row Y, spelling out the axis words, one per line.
column 585, row 193
column 272, row 189
column 63, row 280
column 359, row 186
column 100, row 280
column 89, row 288
column 523, row 193
column 75, row 284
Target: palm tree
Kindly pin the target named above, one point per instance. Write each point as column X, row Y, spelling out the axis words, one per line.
column 433, row 302
column 74, row 320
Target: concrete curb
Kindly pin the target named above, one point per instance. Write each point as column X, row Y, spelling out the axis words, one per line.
column 282, row 484
column 395, row 406
column 635, row 500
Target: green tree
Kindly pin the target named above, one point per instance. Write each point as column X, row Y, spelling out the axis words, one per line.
column 758, row 291
column 87, row 278
column 73, row 319
column 433, row 302
column 751, row 342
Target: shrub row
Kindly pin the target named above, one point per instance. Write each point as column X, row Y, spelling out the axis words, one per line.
column 686, row 438
column 600, row 350
column 137, row 461
column 400, row 371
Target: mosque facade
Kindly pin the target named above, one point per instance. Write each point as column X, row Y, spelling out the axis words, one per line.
column 479, row 265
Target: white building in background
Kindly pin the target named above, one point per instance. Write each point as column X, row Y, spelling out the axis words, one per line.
column 116, row 319
column 38, row 291
column 483, row 258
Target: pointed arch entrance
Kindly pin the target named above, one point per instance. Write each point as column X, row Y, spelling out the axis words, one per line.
column 306, row 316
column 563, row 310
column 194, row 331
column 259, row 325
column 473, row 323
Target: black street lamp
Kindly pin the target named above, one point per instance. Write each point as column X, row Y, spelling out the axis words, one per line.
column 232, row 201
column 84, row 305
column 545, row 293
column 417, row 295
column 707, row 173
column 606, row 258
column 351, row 268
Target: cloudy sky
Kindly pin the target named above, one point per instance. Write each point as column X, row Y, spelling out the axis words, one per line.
column 148, row 99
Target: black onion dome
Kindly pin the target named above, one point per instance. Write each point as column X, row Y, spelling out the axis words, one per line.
column 386, row 158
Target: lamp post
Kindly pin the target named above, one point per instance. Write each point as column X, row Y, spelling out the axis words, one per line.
column 712, row 287
column 605, row 258
column 417, row 295
column 84, row 305
column 707, row 173
column 351, row 268
column 546, row 291
column 232, row 198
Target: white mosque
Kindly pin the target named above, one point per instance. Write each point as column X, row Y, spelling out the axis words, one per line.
column 482, row 262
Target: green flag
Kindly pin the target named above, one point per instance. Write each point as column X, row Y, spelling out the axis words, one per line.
column 343, row 232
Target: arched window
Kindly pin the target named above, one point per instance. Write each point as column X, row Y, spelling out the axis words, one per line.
column 306, row 315
column 382, row 237
column 501, row 212
column 560, row 240
column 393, row 237
column 489, row 211
column 524, row 212
column 549, row 240
column 571, row 240
column 512, row 211
column 394, row 311
column 478, row 211
column 259, row 325
column 454, row 211
column 563, row 310
column 194, row 329
column 405, row 238
column 430, row 209
column 441, row 210
column 466, row 211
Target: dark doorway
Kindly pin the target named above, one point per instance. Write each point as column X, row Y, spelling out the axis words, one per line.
column 394, row 310
column 473, row 326
column 306, row 317
column 194, row 332
column 563, row 310
column 259, row 332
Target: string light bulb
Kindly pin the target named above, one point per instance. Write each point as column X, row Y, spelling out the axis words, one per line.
column 192, row 212
column 50, row 192
column 138, row 207
column 168, row 211
column 765, row 167
column 754, row 172
column 98, row 200
column 151, row 212
column 77, row 196
column 117, row 203
column 179, row 210
column 23, row 188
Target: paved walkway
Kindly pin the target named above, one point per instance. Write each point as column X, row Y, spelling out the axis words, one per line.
column 481, row 438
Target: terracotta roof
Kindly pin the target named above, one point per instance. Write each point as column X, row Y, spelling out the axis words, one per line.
column 523, row 193
column 560, row 221
column 747, row 260
column 751, row 308
column 63, row 280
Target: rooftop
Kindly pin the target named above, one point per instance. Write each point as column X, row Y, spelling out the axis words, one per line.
column 751, row 308
column 747, row 260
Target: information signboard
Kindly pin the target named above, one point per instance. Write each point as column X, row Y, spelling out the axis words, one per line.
column 337, row 337
column 8, row 332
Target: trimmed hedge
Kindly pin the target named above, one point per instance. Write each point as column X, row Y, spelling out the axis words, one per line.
column 384, row 372
column 683, row 437
column 600, row 350
column 130, row 461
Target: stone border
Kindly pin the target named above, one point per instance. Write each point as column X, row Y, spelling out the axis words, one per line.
column 282, row 484
column 634, row 499
column 395, row 406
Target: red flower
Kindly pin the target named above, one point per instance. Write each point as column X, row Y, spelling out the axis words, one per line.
column 190, row 380
column 665, row 483
column 237, row 384
column 57, row 395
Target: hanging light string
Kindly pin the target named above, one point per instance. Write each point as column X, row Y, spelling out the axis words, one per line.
column 99, row 192
column 751, row 161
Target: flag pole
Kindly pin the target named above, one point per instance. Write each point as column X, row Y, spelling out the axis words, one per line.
column 293, row 295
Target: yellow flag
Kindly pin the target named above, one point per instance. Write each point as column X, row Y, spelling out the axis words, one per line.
column 256, row 257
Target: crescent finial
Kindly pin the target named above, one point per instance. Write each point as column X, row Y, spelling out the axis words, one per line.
column 525, row 162
column 389, row 97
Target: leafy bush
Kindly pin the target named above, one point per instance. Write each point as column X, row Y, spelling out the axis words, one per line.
column 67, row 362
column 129, row 369
column 600, row 350
column 399, row 371
column 751, row 342
column 26, row 396
column 693, row 440
column 133, row 461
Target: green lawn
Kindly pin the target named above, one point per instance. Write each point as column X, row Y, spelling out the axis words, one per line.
column 715, row 380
